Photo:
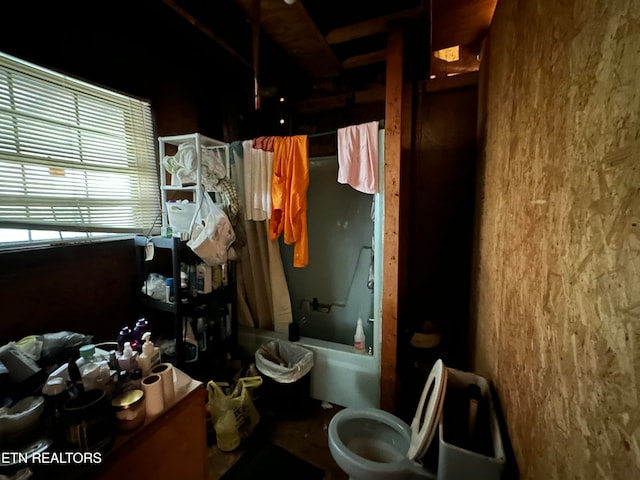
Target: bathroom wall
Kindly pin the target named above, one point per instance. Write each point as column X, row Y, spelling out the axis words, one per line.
column 441, row 209
column 89, row 289
column 557, row 281
column 340, row 239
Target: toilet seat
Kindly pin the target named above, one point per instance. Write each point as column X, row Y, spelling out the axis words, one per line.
column 423, row 427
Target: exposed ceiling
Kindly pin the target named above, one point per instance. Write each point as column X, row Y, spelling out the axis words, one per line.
column 321, row 54
column 325, row 51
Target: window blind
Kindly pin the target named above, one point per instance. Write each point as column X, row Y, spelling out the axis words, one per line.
column 73, row 156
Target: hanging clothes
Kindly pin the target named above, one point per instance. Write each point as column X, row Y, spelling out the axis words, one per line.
column 289, row 184
column 262, row 293
column 264, row 143
column 257, row 166
column 358, row 156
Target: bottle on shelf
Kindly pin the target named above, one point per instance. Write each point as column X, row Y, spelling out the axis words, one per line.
column 169, row 295
column 359, row 339
column 193, row 281
column 203, row 277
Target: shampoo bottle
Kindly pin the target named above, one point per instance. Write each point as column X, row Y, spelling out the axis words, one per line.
column 358, row 337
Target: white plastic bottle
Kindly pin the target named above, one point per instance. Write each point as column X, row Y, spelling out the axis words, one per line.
column 128, row 359
column 359, row 339
column 150, row 355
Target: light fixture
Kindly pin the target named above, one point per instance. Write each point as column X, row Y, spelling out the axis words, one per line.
column 281, row 99
column 282, row 121
column 289, row 2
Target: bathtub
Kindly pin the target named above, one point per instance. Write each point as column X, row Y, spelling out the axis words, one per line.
column 339, row 376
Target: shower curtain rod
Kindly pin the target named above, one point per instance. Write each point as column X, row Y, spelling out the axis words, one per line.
column 333, row 132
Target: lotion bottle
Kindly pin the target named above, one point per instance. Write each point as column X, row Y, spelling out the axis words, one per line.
column 359, row 338
column 150, row 355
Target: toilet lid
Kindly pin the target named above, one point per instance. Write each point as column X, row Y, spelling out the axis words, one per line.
column 425, row 421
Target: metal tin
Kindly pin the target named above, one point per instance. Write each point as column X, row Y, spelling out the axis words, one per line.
column 130, row 409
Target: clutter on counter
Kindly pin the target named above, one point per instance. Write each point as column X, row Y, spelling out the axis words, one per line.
column 61, row 392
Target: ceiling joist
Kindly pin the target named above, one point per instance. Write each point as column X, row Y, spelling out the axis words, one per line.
column 372, row 94
column 373, row 26
column 291, row 27
column 207, row 32
column 370, row 58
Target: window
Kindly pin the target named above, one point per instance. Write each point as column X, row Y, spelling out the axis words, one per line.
column 76, row 160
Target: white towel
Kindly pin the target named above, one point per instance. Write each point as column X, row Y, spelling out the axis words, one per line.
column 358, row 156
column 257, row 170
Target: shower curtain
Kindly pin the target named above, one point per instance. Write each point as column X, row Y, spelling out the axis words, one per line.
column 263, row 294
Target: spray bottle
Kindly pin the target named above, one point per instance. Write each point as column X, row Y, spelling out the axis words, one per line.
column 359, row 339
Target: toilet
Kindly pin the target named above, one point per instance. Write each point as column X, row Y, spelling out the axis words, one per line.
column 371, row 444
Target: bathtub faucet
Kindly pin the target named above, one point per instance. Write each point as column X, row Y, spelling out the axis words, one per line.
column 316, row 306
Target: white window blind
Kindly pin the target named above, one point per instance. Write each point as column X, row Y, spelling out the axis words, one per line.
column 74, row 157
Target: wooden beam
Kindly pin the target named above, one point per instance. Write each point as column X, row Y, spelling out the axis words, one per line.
column 291, row 27
column 358, row 30
column 391, row 241
column 372, row 94
column 447, row 83
column 370, row 58
column 372, row 26
column 330, row 102
column 196, row 23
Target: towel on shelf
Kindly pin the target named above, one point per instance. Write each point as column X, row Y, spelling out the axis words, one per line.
column 358, row 156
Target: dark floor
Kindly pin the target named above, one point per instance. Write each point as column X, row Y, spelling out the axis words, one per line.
column 306, row 438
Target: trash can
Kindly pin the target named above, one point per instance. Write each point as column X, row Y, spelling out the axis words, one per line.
column 286, row 369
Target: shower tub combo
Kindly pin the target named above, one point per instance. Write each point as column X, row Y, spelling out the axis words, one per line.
column 341, row 282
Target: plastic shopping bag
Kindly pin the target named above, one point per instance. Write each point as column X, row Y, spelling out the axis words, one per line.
column 234, row 416
column 211, row 233
column 284, row 362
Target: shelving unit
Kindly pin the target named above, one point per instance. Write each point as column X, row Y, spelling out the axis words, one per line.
column 216, row 309
column 148, row 305
column 211, row 316
column 188, row 192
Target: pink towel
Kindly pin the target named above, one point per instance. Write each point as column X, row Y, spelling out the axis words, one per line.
column 264, row 143
column 358, row 156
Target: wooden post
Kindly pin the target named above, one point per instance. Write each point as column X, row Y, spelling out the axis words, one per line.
column 391, row 240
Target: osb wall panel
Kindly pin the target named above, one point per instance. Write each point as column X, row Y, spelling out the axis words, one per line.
column 557, row 285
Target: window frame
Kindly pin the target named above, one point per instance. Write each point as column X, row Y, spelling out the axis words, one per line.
column 131, row 166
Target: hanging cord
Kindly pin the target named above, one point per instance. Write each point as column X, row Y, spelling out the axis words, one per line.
column 148, row 235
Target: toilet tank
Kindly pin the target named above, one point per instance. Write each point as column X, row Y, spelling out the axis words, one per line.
column 462, row 456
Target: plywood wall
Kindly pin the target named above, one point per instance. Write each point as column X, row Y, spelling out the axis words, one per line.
column 557, row 282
